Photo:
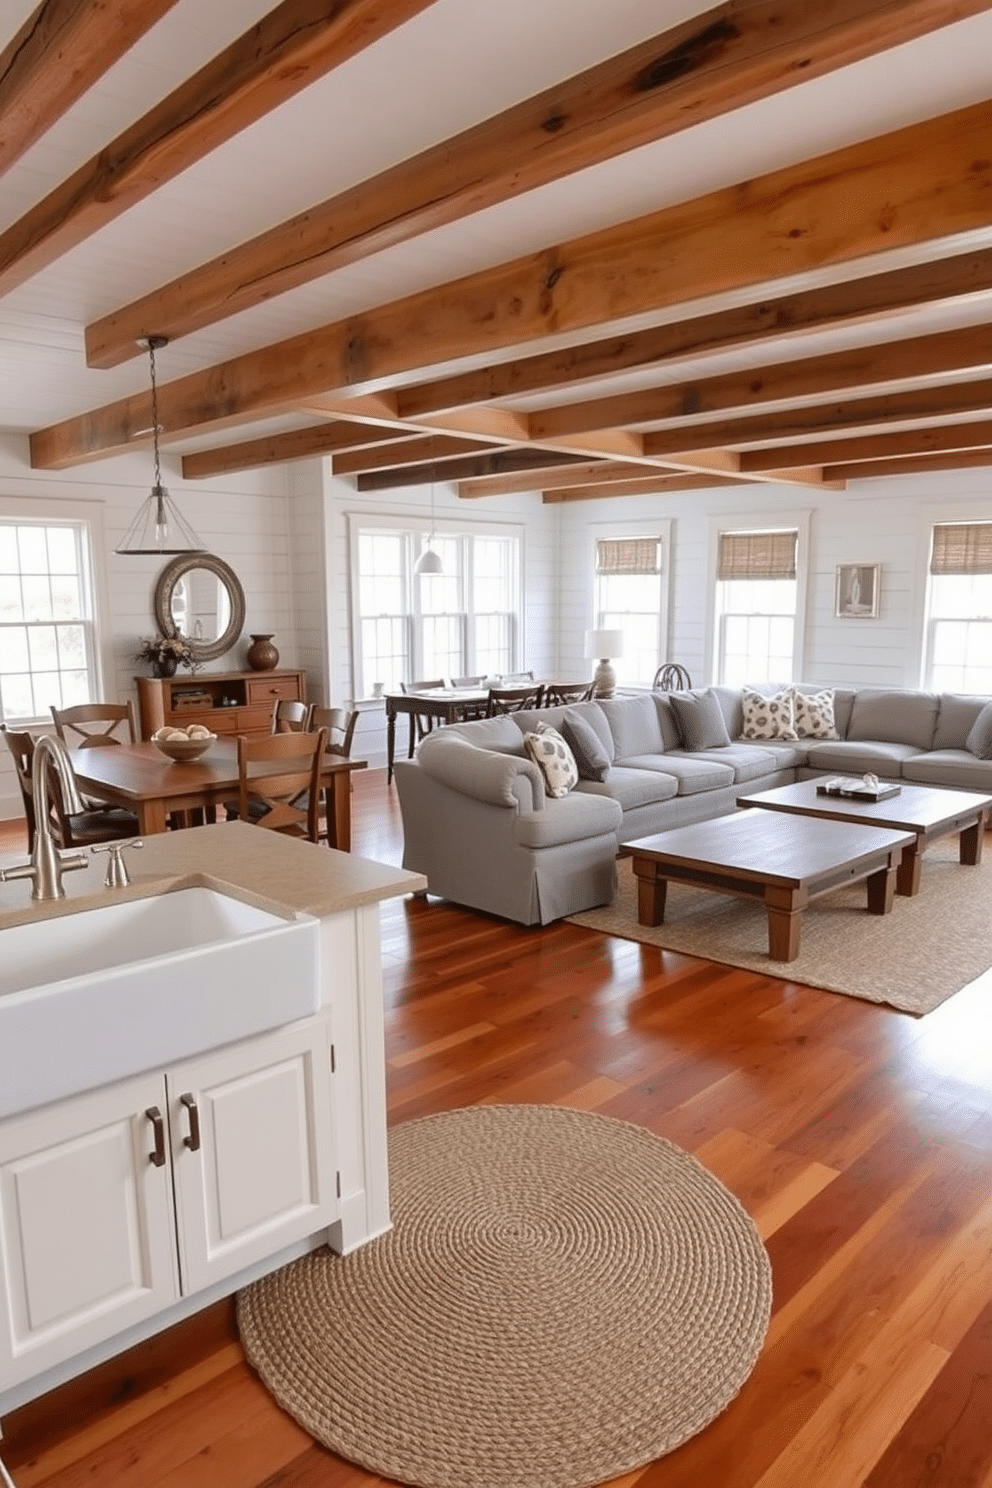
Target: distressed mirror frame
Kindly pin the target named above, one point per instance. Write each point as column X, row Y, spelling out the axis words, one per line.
column 166, row 583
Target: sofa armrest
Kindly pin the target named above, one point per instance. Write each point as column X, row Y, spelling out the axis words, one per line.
column 498, row 779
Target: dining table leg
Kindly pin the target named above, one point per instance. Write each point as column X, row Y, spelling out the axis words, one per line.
column 339, row 811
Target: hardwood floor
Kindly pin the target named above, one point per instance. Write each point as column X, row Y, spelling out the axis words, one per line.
column 859, row 1138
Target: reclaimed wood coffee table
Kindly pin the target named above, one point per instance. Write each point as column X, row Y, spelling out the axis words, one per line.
column 781, row 861
column 924, row 810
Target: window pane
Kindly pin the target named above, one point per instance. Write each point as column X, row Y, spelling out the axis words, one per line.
column 959, row 633
column 63, row 557
column 42, row 580
column 33, row 550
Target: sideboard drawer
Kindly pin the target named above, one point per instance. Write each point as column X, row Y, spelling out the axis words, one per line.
column 269, row 689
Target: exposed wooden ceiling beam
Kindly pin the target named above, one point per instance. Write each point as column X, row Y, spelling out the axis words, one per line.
column 596, row 471
column 783, row 315
column 913, row 465
column 427, row 449
column 659, row 486
column 895, row 191
column 288, row 49
column 919, row 441
column 965, row 350
column 59, row 52
column 723, row 59
column 866, row 414
column 277, row 449
column 473, row 467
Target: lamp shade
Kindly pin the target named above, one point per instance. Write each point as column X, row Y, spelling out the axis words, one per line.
column 604, row 643
column 429, row 562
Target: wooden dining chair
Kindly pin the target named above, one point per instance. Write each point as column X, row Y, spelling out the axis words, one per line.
column 284, row 797
column 70, row 828
column 670, row 677
column 516, row 679
column 340, row 725
column 418, row 724
column 87, row 725
column 471, row 710
column 291, row 717
column 513, row 699
column 558, row 693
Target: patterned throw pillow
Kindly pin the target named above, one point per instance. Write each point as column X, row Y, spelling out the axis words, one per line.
column 768, row 717
column 814, row 714
column 554, row 759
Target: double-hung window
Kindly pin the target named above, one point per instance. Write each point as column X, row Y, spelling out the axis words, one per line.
column 630, row 598
column 755, row 605
column 47, row 642
column 461, row 621
column 958, row 650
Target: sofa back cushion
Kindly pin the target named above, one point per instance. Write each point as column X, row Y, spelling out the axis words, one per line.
column 955, row 719
column 500, row 733
column 634, row 725
column 700, row 719
column 979, row 740
column 896, row 717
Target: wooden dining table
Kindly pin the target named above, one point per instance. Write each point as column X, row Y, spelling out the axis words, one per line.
column 437, row 704
column 142, row 779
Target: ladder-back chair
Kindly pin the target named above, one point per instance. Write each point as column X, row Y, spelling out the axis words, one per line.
column 291, row 717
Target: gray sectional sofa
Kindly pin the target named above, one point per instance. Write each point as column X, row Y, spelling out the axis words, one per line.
column 479, row 821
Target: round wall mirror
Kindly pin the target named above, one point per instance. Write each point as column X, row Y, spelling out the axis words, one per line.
column 200, row 597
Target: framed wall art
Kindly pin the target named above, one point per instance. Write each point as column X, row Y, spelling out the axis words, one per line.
column 857, row 591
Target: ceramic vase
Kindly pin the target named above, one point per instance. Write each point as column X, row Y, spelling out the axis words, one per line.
column 262, row 655
column 165, row 666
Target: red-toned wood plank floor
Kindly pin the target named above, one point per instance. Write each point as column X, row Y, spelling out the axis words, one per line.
column 858, row 1137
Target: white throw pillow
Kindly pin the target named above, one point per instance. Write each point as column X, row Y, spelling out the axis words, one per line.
column 814, row 714
column 768, row 717
column 553, row 757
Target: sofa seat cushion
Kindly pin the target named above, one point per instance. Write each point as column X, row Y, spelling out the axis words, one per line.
column 954, row 768
column 856, row 756
column 569, row 819
column 748, row 761
column 785, row 755
column 631, row 787
column 901, row 717
column 694, row 772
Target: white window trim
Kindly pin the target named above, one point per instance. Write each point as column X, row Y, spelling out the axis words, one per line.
column 740, row 521
column 642, row 527
column 28, row 509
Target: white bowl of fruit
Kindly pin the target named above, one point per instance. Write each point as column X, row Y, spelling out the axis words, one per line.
column 184, row 744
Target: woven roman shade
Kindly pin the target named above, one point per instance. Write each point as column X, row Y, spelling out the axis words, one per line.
column 757, row 555
column 962, row 548
column 628, row 555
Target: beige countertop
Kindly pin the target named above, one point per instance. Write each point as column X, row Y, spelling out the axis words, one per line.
column 297, row 875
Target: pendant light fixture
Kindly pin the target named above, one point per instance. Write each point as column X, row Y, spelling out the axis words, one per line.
column 159, row 527
column 429, row 561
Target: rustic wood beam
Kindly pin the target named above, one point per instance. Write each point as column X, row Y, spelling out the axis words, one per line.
column 288, row 49
column 470, row 468
column 865, row 414
column 597, row 471
column 428, row 449
column 929, row 180
column 706, row 66
column 965, row 350
column 919, row 441
column 59, row 52
column 660, row 486
column 784, row 315
column 913, row 465
column 277, row 449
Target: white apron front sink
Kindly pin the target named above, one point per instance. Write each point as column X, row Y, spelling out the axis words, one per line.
column 95, row 996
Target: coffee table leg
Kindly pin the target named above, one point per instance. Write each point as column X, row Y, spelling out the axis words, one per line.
column 785, row 918
column 651, row 893
column 881, row 890
column 970, row 843
column 908, row 872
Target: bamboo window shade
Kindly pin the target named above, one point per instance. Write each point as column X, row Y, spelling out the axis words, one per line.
column 757, row 555
column 962, row 548
column 628, row 555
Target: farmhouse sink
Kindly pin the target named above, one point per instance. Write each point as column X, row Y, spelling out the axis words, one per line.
column 94, row 996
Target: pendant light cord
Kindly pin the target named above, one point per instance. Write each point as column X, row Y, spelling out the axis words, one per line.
column 151, row 361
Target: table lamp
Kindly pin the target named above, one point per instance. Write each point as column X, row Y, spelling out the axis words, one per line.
column 604, row 644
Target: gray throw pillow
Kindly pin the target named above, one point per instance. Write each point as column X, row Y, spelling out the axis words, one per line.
column 700, row 720
column 979, row 740
column 591, row 759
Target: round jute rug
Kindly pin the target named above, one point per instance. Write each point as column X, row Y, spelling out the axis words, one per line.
column 563, row 1298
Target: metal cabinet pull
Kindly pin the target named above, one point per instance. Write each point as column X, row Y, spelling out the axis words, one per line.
column 158, row 1127
column 193, row 1140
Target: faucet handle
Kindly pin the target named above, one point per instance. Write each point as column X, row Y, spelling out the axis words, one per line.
column 117, row 874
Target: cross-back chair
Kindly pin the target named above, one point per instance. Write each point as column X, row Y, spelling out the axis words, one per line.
column 420, row 725
column 290, row 716
column 513, row 699
column 557, row 693
column 279, row 781
column 70, row 827
column 87, row 725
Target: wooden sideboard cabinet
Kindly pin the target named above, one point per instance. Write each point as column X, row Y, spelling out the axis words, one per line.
column 225, row 702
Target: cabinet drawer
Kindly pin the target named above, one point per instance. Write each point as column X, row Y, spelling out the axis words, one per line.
column 268, row 689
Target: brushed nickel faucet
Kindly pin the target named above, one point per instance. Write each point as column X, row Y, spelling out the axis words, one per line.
column 47, row 864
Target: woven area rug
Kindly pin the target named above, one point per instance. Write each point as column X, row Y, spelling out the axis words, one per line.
column 563, row 1298
column 928, row 948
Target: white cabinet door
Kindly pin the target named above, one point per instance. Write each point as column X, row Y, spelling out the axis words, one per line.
column 253, row 1150
column 86, row 1243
